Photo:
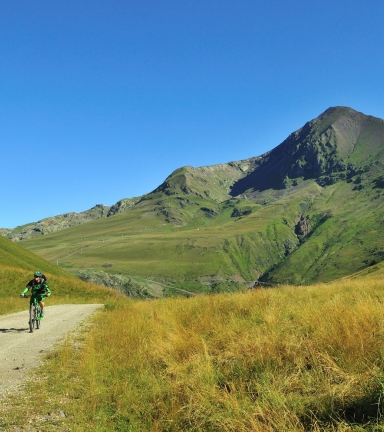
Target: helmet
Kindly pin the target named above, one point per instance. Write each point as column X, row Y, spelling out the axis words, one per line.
column 38, row 273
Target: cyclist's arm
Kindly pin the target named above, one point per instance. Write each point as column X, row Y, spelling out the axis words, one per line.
column 25, row 291
column 47, row 290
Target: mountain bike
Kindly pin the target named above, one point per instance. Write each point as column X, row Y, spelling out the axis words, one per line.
column 34, row 314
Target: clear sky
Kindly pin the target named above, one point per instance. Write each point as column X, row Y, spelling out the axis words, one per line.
column 102, row 99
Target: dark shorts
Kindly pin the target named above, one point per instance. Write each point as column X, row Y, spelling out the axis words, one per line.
column 38, row 297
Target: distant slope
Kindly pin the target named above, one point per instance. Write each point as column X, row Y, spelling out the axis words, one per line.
column 309, row 210
column 67, row 220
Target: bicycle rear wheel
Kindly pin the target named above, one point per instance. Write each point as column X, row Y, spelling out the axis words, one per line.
column 31, row 317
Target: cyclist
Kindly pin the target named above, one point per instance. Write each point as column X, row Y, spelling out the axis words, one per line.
column 39, row 289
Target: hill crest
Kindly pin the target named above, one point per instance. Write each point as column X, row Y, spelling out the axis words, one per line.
column 331, row 146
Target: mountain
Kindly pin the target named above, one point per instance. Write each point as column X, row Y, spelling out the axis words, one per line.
column 308, row 210
column 336, row 145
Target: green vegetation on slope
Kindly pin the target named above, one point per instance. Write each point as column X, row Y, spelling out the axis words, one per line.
column 241, row 241
column 349, row 240
column 307, row 233
column 17, row 266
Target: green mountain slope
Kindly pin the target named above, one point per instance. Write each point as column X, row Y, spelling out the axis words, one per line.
column 13, row 255
column 185, row 238
column 17, row 266
column 309, row 210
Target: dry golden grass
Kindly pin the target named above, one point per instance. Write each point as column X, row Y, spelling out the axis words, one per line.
column 286, row 359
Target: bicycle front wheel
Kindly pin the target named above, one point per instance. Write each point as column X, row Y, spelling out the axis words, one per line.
column 38, row 316
column 31, row 318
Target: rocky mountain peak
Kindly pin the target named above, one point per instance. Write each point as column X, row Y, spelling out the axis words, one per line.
column 329, row 144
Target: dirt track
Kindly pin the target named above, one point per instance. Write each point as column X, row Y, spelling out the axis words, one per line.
column 21, row 350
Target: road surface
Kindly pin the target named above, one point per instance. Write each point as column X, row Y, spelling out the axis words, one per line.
column 21, row 350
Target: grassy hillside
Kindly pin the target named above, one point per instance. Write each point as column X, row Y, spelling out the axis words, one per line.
column 236, row 241
column 17, row 266
column 286, row 359
column 349, row 240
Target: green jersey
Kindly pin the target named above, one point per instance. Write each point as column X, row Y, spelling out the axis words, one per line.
column 37, row 289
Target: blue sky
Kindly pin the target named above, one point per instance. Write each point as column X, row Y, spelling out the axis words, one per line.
column 102, row 100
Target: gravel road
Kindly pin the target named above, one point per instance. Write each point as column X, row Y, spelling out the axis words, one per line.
column 21, row 350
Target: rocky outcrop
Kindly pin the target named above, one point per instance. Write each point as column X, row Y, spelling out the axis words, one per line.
column 302, row 226
column 124, row 284
column 5, row 232
column 122, row 206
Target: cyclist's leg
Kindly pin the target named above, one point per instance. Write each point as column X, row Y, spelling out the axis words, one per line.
column 41, row 303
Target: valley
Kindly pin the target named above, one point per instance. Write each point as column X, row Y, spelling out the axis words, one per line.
column 310, row 210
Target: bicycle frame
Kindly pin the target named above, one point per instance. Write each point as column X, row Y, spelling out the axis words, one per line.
column 34, row 314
